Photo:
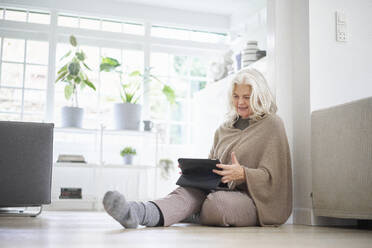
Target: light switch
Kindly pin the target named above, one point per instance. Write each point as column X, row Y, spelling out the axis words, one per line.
column 341, row 28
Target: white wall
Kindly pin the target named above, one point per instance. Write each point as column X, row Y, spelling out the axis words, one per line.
column 311, row 71
column 249, row 24
column 340, row 72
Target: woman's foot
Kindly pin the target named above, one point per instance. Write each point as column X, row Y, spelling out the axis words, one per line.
column 116, row 206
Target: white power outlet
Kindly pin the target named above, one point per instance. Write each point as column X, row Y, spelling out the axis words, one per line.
column 341, row 30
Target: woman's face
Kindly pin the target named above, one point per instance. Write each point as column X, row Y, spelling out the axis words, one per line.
column 241, row 100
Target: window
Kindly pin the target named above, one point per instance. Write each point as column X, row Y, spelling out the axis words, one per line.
column 23, row 15
column 186, row 75
column 24, row 68
column 97, row 104
column 93, row 23
column 23, row 79
column 187, row 34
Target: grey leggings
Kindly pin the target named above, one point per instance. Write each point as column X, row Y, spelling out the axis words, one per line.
column 219, row 208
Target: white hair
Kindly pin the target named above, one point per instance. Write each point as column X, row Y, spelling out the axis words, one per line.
column 262, row 101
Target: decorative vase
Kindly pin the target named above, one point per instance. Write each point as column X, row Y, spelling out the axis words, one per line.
column 128, row 159
column 127, row 116
column 72, row 117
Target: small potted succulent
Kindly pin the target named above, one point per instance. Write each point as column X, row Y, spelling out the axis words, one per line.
column 72, row 73
column 127, row 114
column 128, row 153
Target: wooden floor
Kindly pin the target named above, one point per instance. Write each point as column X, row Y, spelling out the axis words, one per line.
column 97, row 229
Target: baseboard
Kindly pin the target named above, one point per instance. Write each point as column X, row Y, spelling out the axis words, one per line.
column 306, row 216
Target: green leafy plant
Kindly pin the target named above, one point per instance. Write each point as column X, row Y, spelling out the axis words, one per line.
column 130, row 90
column 73, row 72
column 128, row 151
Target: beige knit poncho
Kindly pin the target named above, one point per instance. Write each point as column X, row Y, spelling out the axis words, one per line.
column 262, row 148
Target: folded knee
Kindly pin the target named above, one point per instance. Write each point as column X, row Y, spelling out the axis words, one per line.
column 212, row 211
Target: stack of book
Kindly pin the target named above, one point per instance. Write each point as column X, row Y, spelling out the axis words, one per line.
column 71, row 158
column 70, row 193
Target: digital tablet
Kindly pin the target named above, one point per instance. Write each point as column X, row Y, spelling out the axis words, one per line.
column 196, row 165
column 198, row 173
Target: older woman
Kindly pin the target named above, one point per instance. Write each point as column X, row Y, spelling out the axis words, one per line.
column 255, row 160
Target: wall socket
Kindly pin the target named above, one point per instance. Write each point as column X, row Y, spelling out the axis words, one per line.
column 341, row 28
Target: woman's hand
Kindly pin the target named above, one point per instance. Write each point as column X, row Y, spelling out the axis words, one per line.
column 231, row 172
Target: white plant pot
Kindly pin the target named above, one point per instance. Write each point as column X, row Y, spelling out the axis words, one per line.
column 128, row 159
column 127, row 116
column 72, row 117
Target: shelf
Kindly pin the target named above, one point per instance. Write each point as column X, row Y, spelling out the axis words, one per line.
column 105, row 131
column 76, row 165
column 75, row 130
column 128, row 132
column 126, row 166
column 118, row 166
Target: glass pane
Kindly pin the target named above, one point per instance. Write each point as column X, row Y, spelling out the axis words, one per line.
column 92, row 57
column 12, row 74
column 133, row 29
column 62, row 49
column 14, row 50
column 158, row 108
column 9, row 117
column 155, row 87
column 197, row 86
column 89, row 23
column 159, row 62
column 15, row 15
column 110, row 92
column 68, row 21
column 198, row 67
column 177, row 134
column 170, row 33
column 180, row 86
column 37, row 17
column 111, row 26
column 161, row 128
column 133, row 60
column 179, row 65
column 36, row 77
column 111, row 52
column 33, row 117
column 10, row 100
column 34, row 101
column 1, row 13
column 178, row 111
column 59, row 102
column 88, row 100
column 37, row 52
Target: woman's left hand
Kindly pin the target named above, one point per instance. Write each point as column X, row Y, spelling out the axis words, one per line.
column 231, row 172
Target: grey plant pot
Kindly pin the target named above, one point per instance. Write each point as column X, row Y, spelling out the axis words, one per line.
column 128, row 159
column 72, row 117
column 127, row 116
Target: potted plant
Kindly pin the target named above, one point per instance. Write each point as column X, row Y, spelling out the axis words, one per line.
column 127, row 153
column 166, row 166
column 127, row 114
column 73, row 74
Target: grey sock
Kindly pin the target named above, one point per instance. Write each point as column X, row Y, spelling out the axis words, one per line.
column 130, row 214
column 147, row 213
column 116, row 206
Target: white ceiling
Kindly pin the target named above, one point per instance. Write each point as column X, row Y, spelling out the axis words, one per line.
column 222, row 7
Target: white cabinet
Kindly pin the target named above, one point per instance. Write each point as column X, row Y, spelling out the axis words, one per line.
column 104, row 169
